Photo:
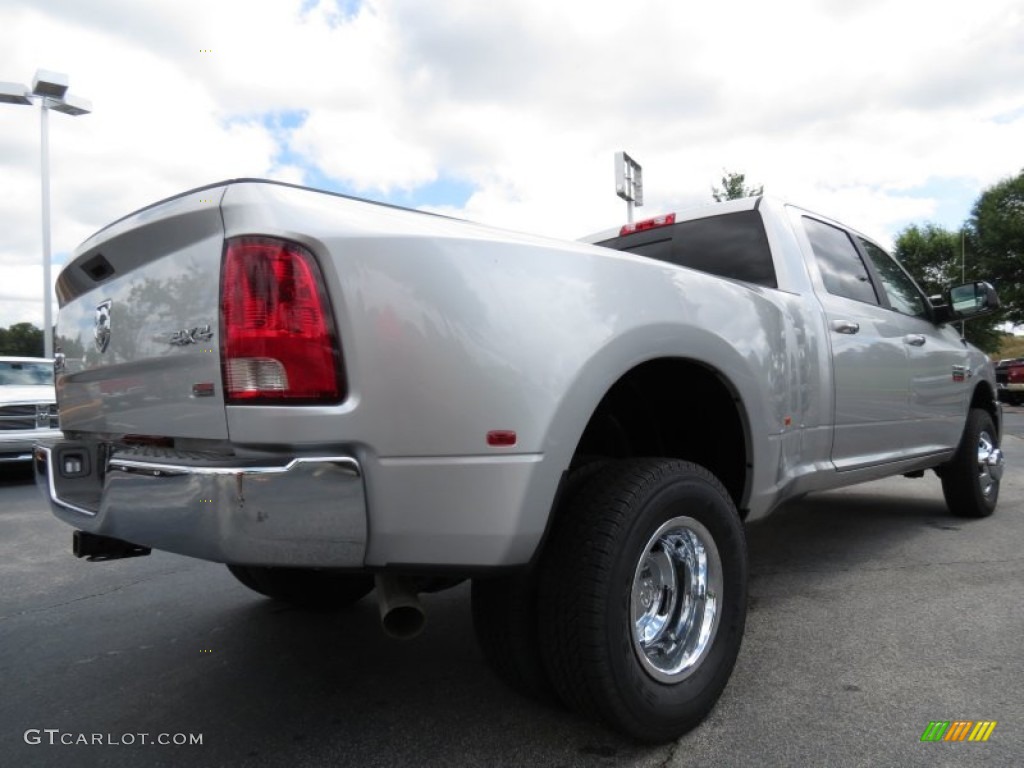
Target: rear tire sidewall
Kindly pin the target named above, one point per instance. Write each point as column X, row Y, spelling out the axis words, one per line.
column 658, row 708
column 505, row 612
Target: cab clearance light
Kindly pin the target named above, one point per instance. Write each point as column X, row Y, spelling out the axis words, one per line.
column 640, row 226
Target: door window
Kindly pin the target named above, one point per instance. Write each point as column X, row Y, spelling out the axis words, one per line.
column 842, row 269
column 903, row 294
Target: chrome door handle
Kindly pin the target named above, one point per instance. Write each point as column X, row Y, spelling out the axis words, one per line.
column 914, row 339
column 844, row 326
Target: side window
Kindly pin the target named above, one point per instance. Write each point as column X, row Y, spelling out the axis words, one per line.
column 842, row 269
column 903, row 294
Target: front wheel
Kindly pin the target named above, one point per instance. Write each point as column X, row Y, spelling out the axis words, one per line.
column 643, row 597
column 970, row 481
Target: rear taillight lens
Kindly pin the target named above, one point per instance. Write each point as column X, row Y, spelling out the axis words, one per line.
column 278, row 343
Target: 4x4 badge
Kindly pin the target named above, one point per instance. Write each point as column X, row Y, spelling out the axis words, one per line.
column 187, row 336
column 101, row 332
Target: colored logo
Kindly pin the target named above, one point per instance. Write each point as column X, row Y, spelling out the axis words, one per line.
column 958, row 730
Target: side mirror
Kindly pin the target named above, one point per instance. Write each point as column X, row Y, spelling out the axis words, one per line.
column 970, row 300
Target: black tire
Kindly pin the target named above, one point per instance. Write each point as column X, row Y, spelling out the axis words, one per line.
column 971, row 487
column 505, row 623
column 505, row 616
column 305, row 587
column 602, row 563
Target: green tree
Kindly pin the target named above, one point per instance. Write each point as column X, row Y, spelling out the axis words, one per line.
column 933, row 256
column 21, row 340
column 734, row 187
column 997, row 226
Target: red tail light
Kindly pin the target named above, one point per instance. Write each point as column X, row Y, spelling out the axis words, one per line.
column 278, row 343
column 654, row 223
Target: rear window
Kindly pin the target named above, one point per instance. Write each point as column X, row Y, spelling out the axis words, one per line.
column 731, row 245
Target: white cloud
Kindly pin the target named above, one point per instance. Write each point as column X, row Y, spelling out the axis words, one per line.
column 366, row 149
column 859, row 110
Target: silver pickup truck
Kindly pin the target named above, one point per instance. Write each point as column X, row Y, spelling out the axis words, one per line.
column 333, row 396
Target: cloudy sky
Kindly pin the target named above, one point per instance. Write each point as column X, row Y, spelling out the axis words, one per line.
column 880, row 113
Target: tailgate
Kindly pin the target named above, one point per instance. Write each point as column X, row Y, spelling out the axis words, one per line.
column 138, row 324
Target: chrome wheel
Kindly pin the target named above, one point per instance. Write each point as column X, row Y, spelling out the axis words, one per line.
column 990, row 464
column 970, row 480
column 676, row 599
column 643, row 596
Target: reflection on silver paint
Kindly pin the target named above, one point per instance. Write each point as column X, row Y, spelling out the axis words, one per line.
column 450, row 330
column 167, row 271
column 101, row 333
column 310, row 511
column 894, row 396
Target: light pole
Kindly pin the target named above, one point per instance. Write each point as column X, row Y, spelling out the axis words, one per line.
column 51, row 88
column 629, row 182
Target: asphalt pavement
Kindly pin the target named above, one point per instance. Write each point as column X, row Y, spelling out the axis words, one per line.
column 1013, row 420
column 873, row 612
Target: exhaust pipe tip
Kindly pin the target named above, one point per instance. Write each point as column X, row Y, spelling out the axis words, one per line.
column 401, row 614
column 403, row 622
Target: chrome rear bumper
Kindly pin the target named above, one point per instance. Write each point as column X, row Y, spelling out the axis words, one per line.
column 309, row 512
column 16, row 445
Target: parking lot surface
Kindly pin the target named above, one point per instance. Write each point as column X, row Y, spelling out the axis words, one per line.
column 872, row 613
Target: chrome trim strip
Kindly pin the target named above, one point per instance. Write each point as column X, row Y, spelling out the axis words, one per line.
column 346, row 463
column 51, row 487
column 15, row 457
column 428, row 461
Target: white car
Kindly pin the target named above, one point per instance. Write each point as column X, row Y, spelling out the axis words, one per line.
column 28, row 406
